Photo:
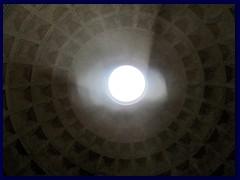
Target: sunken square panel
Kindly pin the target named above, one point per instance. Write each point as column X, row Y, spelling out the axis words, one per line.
column 227, row 49
column 65, row 60
column 229, row 100
column 86, row 137
column 207, row 159
column 173, row 36
column 142, row 166
column 107, row 9
column 200, row 38
column 191, row 61
column 68, row 117
column 36, row 139
column 183, row 48
column 144, row 22
column 189, row 142
column 230, row 73
column 57, row 39
column 62, row 104
column 7, row 45
column 52, row 127
column 214, row 94
column 76, row 128
column 24, row 120
column 5, row 105
column 60, row 90
column 83, row 36
column 5, row 66
column 209, row 113
column 14, row 16
column 45, row 111
column 226, row 121
column 63, row 141
column 21, row 97
column 85, row 12
column 175, row 154
column 192, row 104
column 221, row 142
column 26, row 51
column 15, row 157
column 77, row 152
column 60, row 75
column 159, row 27
column 91, row 160
column 127, row 19
column 37, row 28
column 21, row 73
column 95, row 28
column 216, row 25
column 8, row 129
column 32, row 169
column 210, row 55
column 72, row 48
column 169, row 12
column 42, row 74
column 152, row 145
column 214, row 74
column 50, row 155
column 111, row 22
column 41, row 93
column 138, row 148
column 159, row 161
column 55, row 11
column 48, row 56
column 70, row 24
column 124, row 165
column 107, row 164
column 186, row 22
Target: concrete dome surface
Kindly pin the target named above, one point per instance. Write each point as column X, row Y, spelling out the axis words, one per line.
column 59, row 119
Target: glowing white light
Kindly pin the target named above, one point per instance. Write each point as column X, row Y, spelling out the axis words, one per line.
column 126, row 84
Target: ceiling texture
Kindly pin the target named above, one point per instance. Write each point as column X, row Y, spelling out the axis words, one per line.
column 59, row 119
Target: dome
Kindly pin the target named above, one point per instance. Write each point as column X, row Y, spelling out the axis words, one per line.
column 59, row 118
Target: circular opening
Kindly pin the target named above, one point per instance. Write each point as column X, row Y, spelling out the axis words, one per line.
column 126, row 85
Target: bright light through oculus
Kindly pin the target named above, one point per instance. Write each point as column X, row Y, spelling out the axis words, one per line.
column 126, row 84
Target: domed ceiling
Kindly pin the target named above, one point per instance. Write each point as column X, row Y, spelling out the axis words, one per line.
column 59, row 119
